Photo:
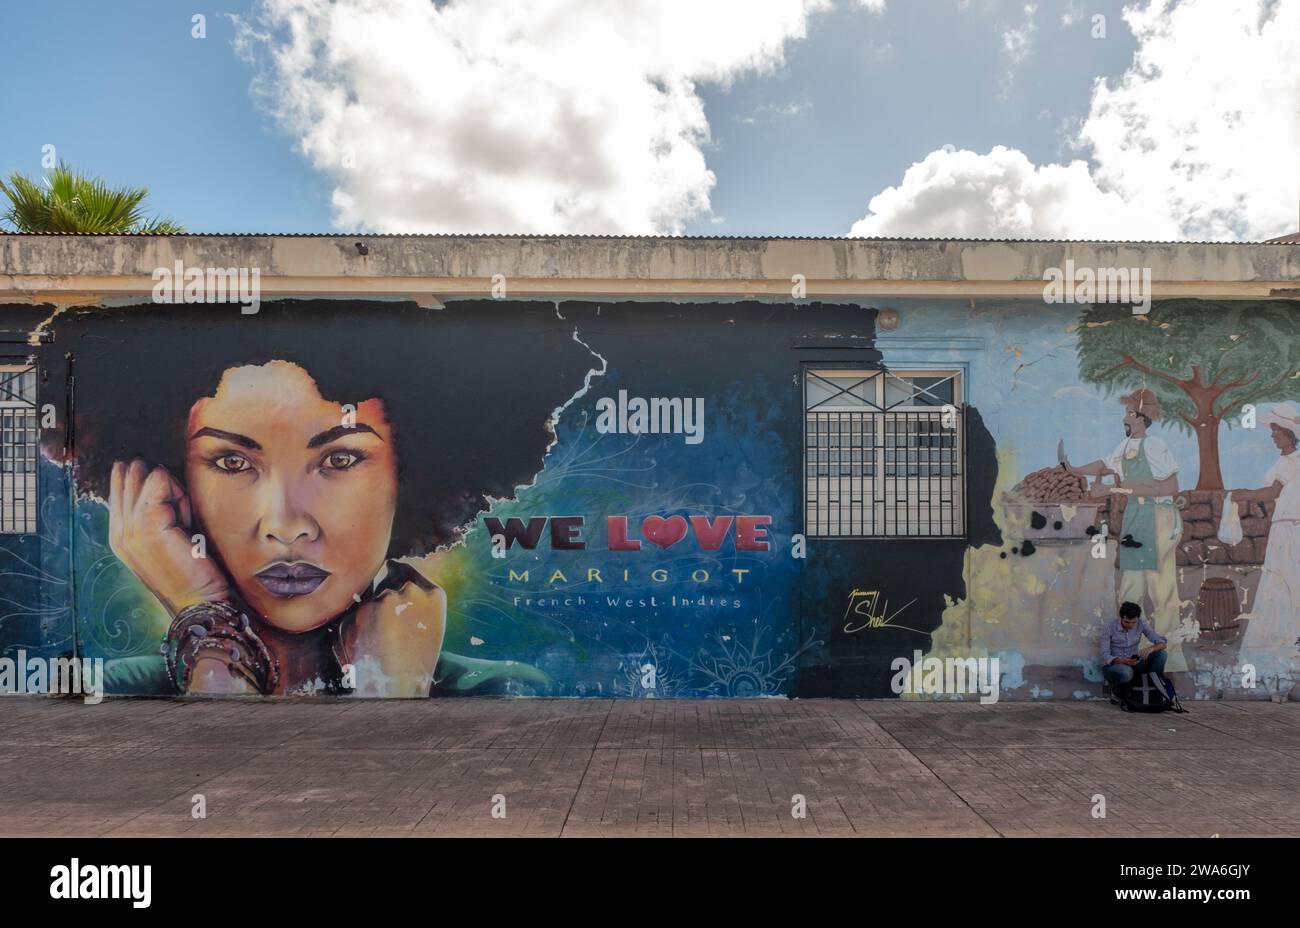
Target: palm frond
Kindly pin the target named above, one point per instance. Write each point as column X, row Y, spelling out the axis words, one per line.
column 70, row 201
column 28, row 205
column 160, row 226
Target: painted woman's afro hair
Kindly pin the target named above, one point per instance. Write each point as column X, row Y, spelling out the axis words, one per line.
column 469, row 390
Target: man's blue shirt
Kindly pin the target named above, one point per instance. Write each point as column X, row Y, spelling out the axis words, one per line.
column 1116, row 642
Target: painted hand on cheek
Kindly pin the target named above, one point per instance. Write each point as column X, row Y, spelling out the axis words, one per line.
column 150, row 524
column 401, row 632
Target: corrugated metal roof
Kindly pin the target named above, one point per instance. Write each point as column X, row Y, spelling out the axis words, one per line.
column 1283, row 240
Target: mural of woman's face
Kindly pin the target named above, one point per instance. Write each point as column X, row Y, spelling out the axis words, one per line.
column 296, row 497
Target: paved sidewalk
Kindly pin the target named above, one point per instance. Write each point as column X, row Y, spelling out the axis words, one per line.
column 612, row 767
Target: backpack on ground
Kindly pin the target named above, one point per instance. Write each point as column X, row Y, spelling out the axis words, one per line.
column 1150, row 692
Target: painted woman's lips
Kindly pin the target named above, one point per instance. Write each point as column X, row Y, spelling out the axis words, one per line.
column 292, row 579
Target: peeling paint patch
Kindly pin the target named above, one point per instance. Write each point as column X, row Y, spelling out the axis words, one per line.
column 35, row 336
column 1091, row 672
column 591, row 374
column 1012, row 664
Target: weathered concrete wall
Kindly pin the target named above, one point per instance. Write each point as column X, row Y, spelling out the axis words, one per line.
column 40, row 267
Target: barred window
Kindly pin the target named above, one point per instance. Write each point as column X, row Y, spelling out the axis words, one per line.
column 17, row 449
column 884, row 454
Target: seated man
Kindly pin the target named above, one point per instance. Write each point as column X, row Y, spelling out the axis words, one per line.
column 1120, row 656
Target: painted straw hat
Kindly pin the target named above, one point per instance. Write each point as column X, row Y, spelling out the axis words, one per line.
column 1283, row 414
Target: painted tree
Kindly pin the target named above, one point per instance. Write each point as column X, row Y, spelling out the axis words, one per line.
column 1205, row 360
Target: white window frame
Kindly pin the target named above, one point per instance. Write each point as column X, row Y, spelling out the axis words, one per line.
column 870, row 502
column 19, row 452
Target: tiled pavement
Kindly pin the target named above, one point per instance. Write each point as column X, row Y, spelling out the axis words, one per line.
column 612, row 767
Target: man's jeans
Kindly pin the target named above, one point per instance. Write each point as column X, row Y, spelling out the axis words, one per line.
column 1122, row 675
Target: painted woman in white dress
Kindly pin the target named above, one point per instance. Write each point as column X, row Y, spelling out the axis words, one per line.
column 1270, row 642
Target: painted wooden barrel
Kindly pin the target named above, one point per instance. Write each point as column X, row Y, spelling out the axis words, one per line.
column 1218, row 608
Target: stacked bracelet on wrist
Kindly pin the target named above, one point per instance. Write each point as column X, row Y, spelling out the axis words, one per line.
column 218, row 631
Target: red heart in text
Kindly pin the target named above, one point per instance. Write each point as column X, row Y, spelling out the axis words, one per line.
column 663, row 532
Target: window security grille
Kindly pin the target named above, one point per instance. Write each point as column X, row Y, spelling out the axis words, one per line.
column 884, row 454
column 18, row 496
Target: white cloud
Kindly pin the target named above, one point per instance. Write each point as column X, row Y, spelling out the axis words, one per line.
column 1001, row 194
column 1019, row 42
column 875, row 6
column 1200, row 139
column 1018, row 45
column 510, row 115
column 1206, row 124
column 770, row 112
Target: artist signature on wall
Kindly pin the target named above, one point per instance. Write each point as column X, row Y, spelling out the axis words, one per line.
column 866, row 610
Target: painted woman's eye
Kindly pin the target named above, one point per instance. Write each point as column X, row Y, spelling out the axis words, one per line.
column 341, row 460
column 232, row 463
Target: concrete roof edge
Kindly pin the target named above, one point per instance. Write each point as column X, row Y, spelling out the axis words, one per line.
column 76, row 262
column 544, row 236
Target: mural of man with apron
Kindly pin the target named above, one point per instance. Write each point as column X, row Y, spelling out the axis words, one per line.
column 1147, row 475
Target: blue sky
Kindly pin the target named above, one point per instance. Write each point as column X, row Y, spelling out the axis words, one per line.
column 162, row 109
column 881, row 92
column 809, row 109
